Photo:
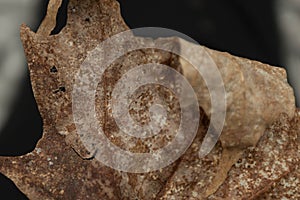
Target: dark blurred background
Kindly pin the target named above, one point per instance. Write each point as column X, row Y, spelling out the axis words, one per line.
column 253, row 29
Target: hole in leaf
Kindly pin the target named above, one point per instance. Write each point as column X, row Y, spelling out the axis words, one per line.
column 63, row 89
column 60, row 89
column 53, row 69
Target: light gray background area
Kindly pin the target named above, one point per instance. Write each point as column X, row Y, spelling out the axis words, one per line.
column 12, row 61
column 288, row 18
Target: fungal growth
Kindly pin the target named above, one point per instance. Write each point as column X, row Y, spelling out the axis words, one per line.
column 258, row 147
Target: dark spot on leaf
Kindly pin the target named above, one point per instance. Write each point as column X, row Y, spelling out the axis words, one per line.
column 60, row 89
column 63, row 89
column 53, row 69
column 56, row 91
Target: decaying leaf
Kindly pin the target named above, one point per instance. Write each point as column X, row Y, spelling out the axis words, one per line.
column 255, row 96
column 260, row 137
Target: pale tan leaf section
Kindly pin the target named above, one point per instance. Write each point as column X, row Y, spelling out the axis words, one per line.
column 49, row 22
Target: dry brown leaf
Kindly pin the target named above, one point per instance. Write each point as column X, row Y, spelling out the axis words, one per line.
column 61, row 168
